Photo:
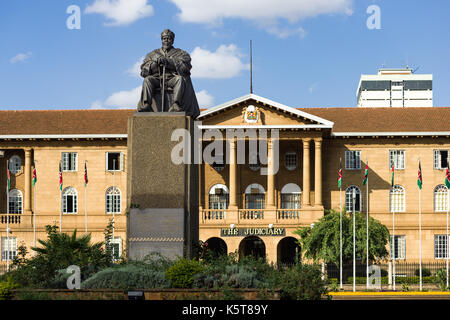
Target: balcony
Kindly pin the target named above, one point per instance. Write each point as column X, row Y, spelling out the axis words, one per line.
column 12, row 218
column 251, row 216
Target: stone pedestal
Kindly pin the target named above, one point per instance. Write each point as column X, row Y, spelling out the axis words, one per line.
column 162, row 195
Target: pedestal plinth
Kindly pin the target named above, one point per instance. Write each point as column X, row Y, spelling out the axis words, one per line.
column 162, row 195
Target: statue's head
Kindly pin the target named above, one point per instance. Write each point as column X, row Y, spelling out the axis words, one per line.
column 167, row 38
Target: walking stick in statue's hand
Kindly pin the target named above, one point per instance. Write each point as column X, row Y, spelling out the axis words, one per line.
column 163, row 92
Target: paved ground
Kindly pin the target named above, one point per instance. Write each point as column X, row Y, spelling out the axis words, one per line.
column 391, row 295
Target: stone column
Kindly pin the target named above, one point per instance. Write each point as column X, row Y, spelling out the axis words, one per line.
column 28, row 191
column 270, row 176
column 233, row 175
column 306, row 175
column 318, row 172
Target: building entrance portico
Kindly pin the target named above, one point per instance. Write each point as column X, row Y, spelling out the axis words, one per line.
column 276, row 185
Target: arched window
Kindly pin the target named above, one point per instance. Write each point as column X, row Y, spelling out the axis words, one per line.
column 70, row 200
column 15, row 164
column 113, row 197
column 440, row 198
column 349, row 199
column 15, row 201
column 397, row 199
column 255, row 197
column 219, row 197
column 291, row 196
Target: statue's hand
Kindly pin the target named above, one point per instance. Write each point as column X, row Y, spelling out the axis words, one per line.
column 162, row 61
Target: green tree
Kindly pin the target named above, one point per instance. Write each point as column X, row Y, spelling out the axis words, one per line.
column 322, row 241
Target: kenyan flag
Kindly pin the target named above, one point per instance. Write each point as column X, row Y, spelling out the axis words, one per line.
column 85, row 175
column 34, row 174
column 392, row 177
column 8, row 185
column 419, row 177
column 60, row 177
column 366, row 172
column 447, row 178
column 340, row 173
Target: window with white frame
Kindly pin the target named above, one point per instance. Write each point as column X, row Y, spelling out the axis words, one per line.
column 15, row 201
column 440, row 246
column 290, row 161
column 349, row 199
column 114, row 161
column 113, row 200
column 291, row 196
column 353, row 160
column 440, row 159
column 69, row 161
column 15, row 164
column 9, row 248
column 116, row 247
column 397, row 199
column 255, row 197
column 70, row 201
column 440, row 198
column 397, row 158
column 219, row 197
column 398, row 247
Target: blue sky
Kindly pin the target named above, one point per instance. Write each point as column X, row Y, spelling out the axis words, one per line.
column 306, row 53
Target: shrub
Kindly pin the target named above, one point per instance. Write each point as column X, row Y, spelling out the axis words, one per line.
column 302, row 282
column 181, row 274
column 425, row 272
column 441, row 279
column 134, row 276
column 6, row 288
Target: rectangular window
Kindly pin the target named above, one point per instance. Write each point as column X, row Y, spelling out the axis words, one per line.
column 9, row 247
column 399, row 247
column 440, row 246
column 397, row 158
column 440, row 159
column 290, row 161
column 114, row 161
column 69, row 161
column 290, row 201
column 116, row 244
column 353, row 160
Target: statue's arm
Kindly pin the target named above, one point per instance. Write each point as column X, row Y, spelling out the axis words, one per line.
column 182, row 63
column 149, row 66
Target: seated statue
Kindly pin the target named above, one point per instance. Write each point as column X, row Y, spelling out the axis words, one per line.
column 168, row 70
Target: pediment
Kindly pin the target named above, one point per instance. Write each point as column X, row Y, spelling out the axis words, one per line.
column 254, row 110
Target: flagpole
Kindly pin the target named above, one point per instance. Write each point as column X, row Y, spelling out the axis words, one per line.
column 340, row 235
column 393, row 246
column 448, row 204
column 7, row 217
column 34, row 205
column 85, row 199
column 367, row 226
column 354, row 242
column 60, row 197
column 114, row 217
column 420, row 229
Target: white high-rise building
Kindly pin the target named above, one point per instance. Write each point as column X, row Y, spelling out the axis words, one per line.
column 395, row 88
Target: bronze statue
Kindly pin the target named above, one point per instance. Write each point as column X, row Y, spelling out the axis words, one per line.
column 167, row 80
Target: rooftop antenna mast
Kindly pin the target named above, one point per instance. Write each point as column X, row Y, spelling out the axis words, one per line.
column 251, row 68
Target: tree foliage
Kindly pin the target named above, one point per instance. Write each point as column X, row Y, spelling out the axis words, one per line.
column 322, row 241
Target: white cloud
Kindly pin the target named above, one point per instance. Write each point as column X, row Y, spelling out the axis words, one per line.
column 265, row 13
column 224, row 63
column 313, row 87
column 214, row 11
column 286, row 32
column 124, row 99
column 204, row 99
column 20, row 57
column 135, row 70
column 121, row 12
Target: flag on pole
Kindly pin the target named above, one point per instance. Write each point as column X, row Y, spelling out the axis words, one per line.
column 447, row 178
column 60, row 177
column 8, row 185
column 392, row 177
column 419, row 177
column 85, row 175
column 340, row 173
column 34, row 174
column 366, row 172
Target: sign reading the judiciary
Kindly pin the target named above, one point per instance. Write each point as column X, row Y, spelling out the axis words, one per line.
column 243, row 232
